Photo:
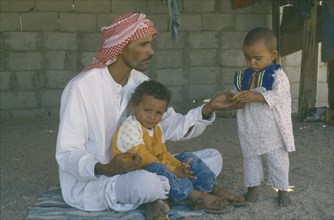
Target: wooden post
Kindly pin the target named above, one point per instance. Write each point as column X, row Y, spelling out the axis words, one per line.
column 309, row 65
column 330, row 81
column 275, row 23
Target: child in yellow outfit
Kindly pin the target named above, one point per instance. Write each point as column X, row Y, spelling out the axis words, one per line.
column 140, row 134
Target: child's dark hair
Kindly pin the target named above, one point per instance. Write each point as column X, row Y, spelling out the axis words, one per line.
column 264, row 34
column 151, row 88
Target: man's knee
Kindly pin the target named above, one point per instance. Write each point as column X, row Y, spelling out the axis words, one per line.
column 138, row 187
column 212, row 158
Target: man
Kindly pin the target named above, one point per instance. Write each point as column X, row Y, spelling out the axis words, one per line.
column 95, row 103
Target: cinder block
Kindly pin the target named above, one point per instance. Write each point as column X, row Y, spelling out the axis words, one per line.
column 90, row 41
column 77, row 22
column 322, row 71
column 227, row 74
column 168, row 59
column 104, row 20
column 201, row 92
column 5, row 115
column 24, row 61
column 293, row 73
column 322, row 90
column 203, row 40
column 9, row 22
column 25, row 80
column 25, row 99
column 37, row 21
column 72, row 60
column 58, row 79
column 250, row 21
column 16, row 6
column 164, row 41
column 195, row 6
column 226, row 88
column 86, row 58
column 203, row 75
column 29, row 113
column 60, row 60
column 202, row 57
column 92, row 6
column 118, row 6
column 161, row 22
column 232, row 40
column 55, row 60
column 171, row 77
column 22, row 41
column 322, row 102
column 54, row 5
column 230, row 58
column 50, row 98
column 190, row 22
column 293, row 59
column 294, row 90
column 177, row 94
column 53, row 112
column 294, row 106
column 5, row 80
column 157, row 6
column 39, row 79
column 61, row 41
column 217, row 22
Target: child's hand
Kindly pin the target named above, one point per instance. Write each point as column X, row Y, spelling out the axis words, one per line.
column 248, row 96
column 184, row 170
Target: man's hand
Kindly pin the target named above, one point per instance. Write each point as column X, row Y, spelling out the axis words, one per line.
column 121, row 163
column 221, row 102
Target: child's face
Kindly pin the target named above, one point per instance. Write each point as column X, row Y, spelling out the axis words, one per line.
column 258, row 56
column 149, row 111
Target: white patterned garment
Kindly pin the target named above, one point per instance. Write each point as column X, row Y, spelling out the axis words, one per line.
column 263, row 127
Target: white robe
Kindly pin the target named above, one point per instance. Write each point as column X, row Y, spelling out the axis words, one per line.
column 263, row 127
column 93, row 105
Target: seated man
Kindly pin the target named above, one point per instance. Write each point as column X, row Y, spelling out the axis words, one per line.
column 95, row 103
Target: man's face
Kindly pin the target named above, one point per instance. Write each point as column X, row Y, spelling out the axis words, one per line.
column 137, row 54
column 258, row 56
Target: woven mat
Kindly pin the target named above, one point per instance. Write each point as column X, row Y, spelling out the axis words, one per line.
column 52, row 206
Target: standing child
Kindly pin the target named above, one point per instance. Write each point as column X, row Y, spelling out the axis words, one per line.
column 140, row 134
column 264, row 124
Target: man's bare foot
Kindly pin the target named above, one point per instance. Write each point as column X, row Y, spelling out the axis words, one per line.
column 252, row 194
column 157, row 210
column 283, row 198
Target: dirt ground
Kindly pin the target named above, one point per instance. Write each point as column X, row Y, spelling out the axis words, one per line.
column 28, row 168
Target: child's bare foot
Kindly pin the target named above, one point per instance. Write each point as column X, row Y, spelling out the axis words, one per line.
column 283, row 198
column 252, row 194
column 157, row 210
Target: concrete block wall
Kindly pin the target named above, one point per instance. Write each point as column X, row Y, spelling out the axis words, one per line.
column 44, row 43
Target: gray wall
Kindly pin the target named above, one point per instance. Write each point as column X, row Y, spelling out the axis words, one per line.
column 44, row 43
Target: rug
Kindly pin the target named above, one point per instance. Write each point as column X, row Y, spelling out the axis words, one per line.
column 52, row 206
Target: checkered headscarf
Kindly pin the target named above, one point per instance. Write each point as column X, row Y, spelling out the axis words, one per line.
column 122, row 29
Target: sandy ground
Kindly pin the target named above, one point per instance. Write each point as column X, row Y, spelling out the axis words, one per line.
column 28, row 168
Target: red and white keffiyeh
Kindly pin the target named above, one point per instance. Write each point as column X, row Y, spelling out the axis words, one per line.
column 122, row 29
